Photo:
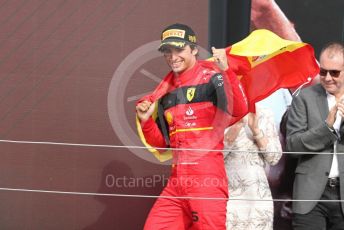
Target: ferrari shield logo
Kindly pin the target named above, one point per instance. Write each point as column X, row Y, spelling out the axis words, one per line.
column 190, row 93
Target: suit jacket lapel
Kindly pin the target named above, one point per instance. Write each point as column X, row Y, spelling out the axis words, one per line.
column 324, row 110
column 322, row 102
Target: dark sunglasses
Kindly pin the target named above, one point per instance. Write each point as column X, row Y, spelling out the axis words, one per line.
column 333, row 72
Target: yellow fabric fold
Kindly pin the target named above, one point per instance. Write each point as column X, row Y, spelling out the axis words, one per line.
column 261, row 42
column 161, row 156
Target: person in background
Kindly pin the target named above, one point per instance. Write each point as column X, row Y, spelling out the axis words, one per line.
column 250, row 145
column 315, row 132
column 267, row 14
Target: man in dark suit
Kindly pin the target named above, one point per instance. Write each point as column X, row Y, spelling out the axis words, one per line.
column 315, row 128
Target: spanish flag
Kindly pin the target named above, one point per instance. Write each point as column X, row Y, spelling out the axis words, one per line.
column 263, row 62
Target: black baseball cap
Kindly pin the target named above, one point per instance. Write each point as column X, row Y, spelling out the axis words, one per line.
column 177, row 35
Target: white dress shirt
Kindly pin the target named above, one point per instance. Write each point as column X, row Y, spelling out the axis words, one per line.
column 334, row 172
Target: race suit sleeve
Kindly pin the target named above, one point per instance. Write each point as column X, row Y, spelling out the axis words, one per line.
column 153, row 134
column 230, row 96
column 237, row 95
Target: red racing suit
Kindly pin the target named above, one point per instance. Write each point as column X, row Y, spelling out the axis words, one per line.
column 197, row 106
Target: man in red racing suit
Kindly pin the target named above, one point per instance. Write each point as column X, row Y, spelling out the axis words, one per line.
column 197, row 102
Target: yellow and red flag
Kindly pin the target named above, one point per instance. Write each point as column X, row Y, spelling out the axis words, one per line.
column 264, row 62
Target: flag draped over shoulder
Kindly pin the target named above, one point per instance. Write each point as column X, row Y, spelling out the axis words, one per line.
column 263, row 62
column 161, row 154
column 165, row 86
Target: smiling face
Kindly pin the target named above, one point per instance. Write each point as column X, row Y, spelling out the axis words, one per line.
column 332, row 60
column 180, row 59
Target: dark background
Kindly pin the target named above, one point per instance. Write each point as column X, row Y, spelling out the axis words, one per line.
column 317, row 22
